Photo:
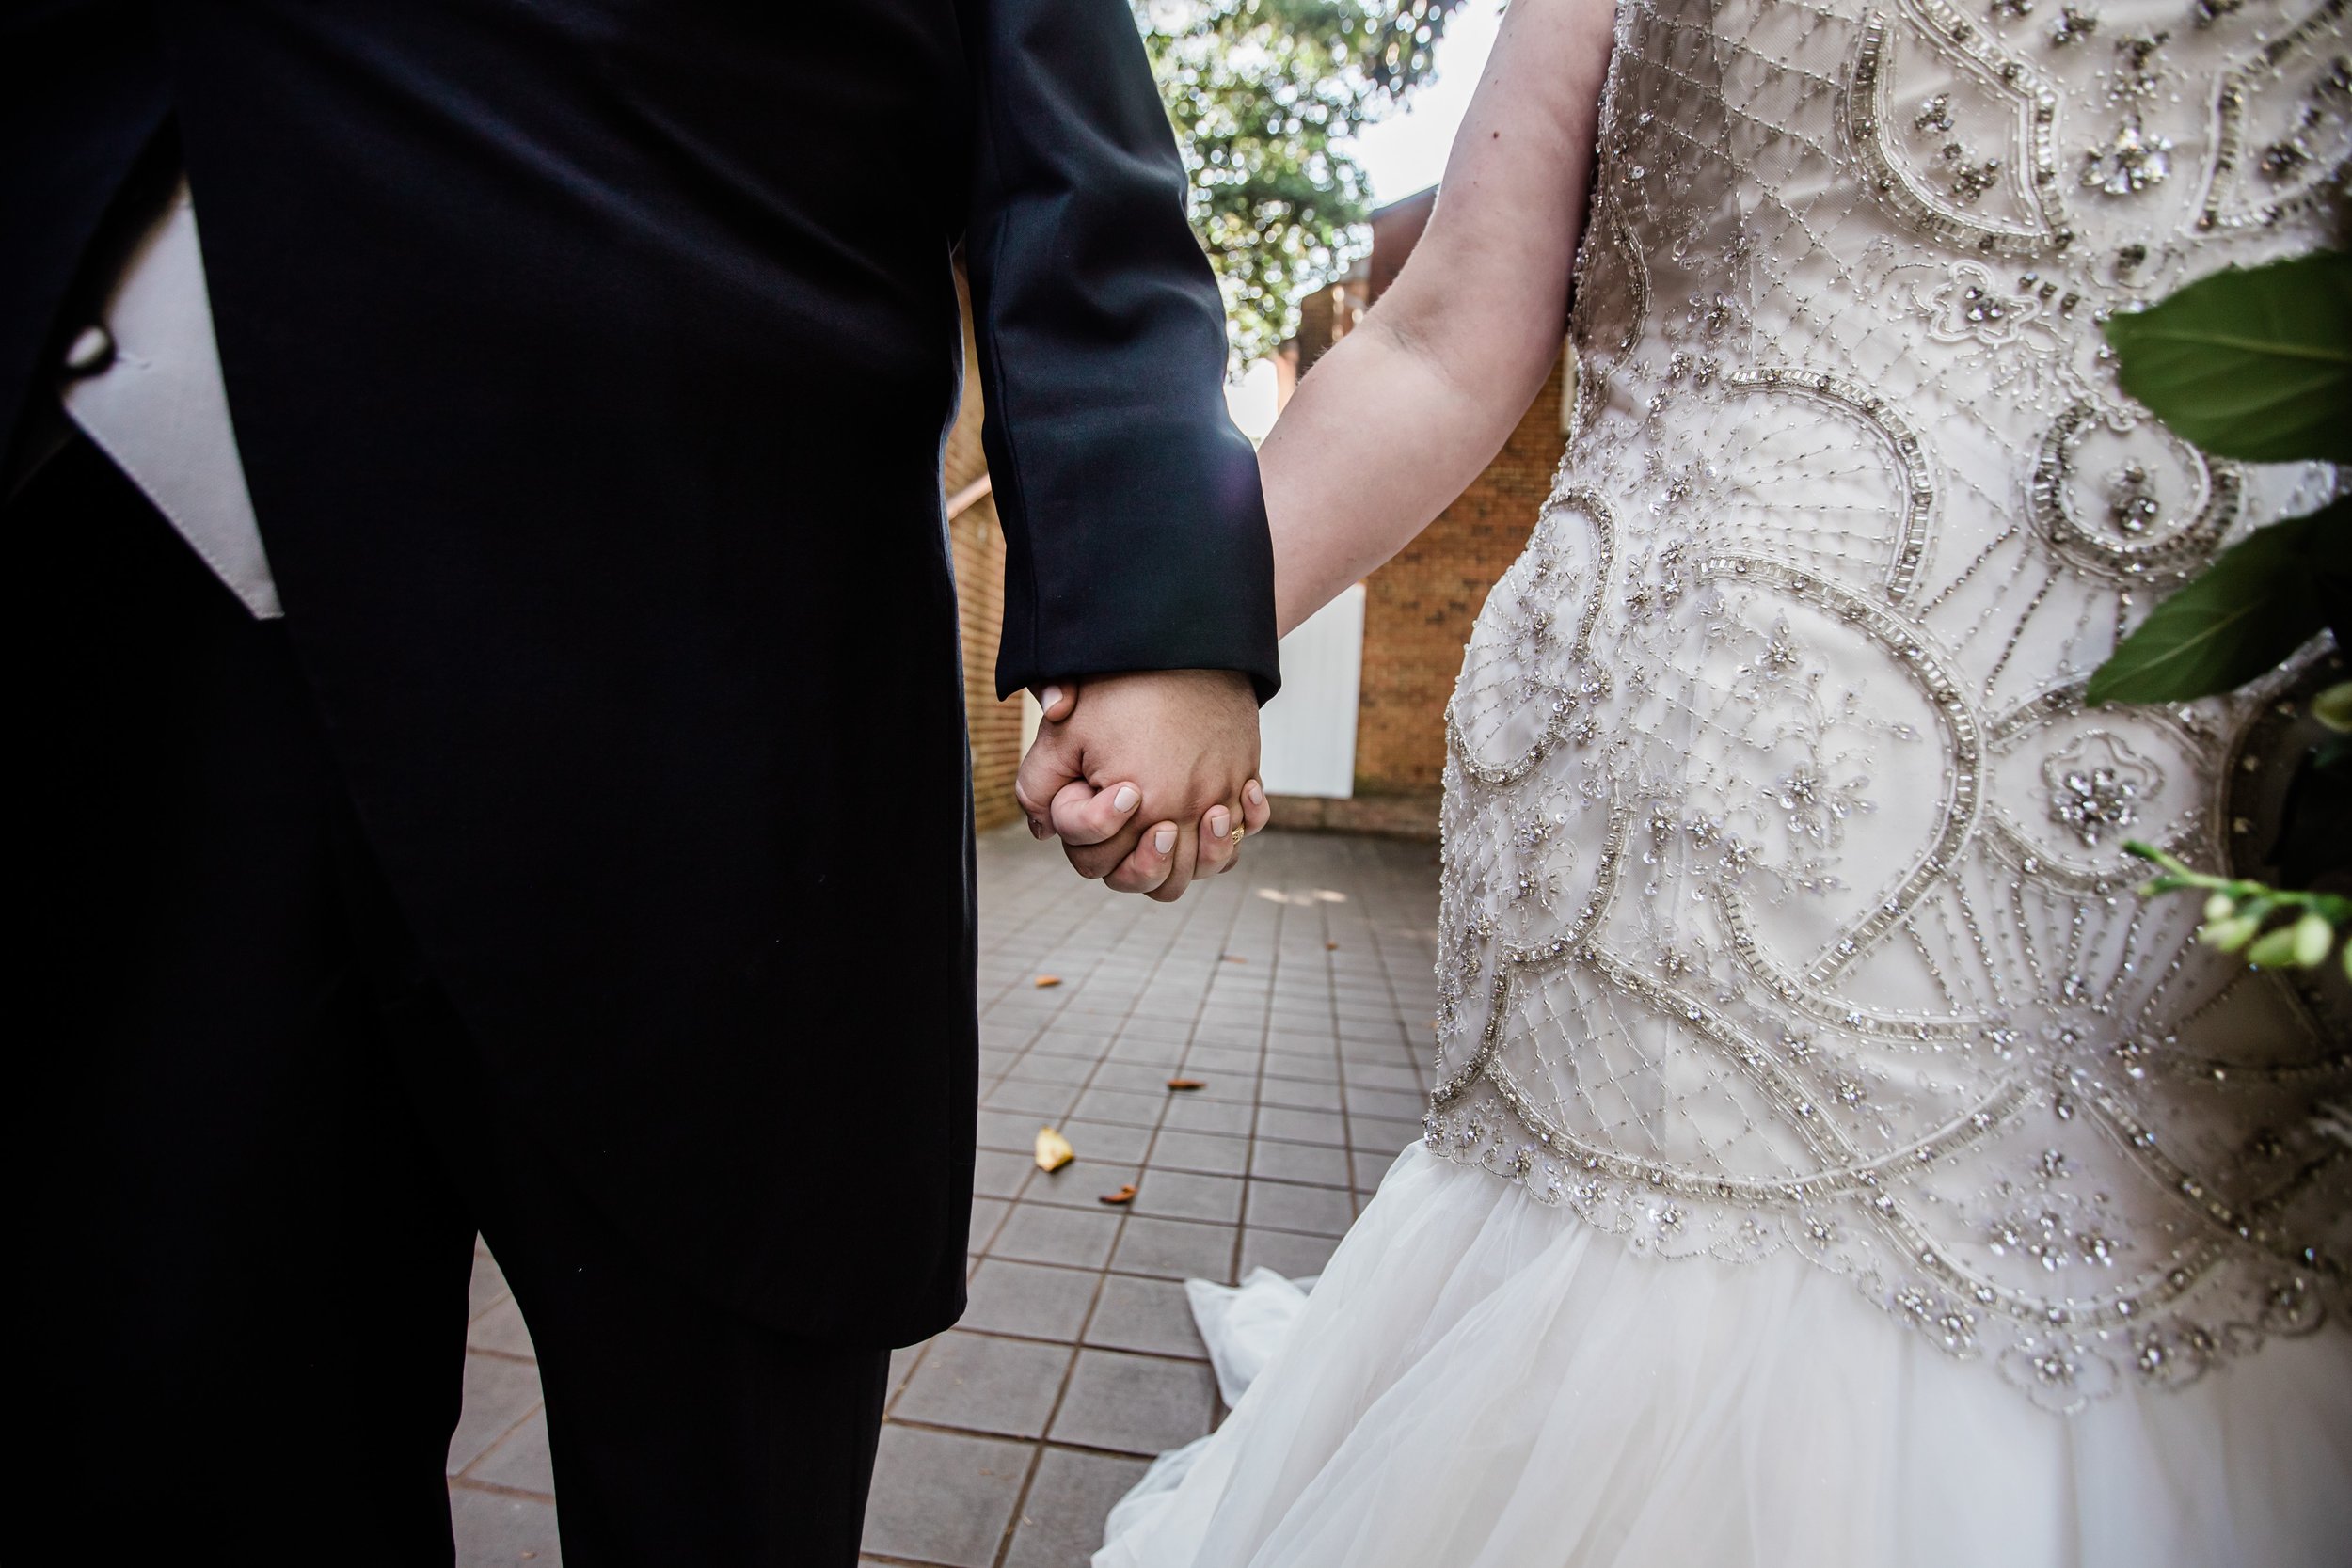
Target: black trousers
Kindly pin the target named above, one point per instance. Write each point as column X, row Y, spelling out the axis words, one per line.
column 253, row 1147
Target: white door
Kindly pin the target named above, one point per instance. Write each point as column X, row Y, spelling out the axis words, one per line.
column 1306, row 743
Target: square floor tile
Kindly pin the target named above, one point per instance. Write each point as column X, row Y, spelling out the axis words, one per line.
column 500, row 1331
column 1050, row 1101
column 1083, row 1185
column 1144, row 1315
column 1139, row 1404
column 1062, row 1519
column 1008, row 1129
column 1284, row 1046
column 1288, row 1253
column 1078, row 1045
column 979, row 1382
column 902, row 1364
column 1302, row 1127
column 1213, row 1061
column 1167, row 1031
column 1040, row 1233
column 998, row 1173
column 1319, row 1211
column 1104, row 1140
column 987, row 1214
column 1400, row 1104
column 1300, row 1094
column 1038, row 1067
column 519, row 1461
column 1374, row 1076
column 1134, row 1077
column 499, row 1393
column 1209, row 1115
column 1209, row 1154
column 1182, row 1195
column 1316, row 1165
column 1152, row 1055
column 941, row 1497
column 1032, row 1299
column 1383, row 1133
column 1176, row 1249
column 497, row 1530
column 487, row 1285
column 1371, row 1167
column 1126, row 1106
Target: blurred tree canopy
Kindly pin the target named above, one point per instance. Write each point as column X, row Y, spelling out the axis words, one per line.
column 1261, row 91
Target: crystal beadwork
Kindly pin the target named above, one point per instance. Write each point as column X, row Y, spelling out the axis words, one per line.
column 1785, row 898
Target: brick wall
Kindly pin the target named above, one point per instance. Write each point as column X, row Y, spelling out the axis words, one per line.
column 1419, row 607
column 978, row 548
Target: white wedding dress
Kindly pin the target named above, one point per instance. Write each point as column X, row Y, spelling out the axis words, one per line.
column 1833, row 1161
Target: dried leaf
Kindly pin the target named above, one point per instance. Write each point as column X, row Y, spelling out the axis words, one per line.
column 1234, row 958
column 1187, row 1083
column 1045, row 980
column 1052, row 1149
column 1124, row 1195
column 1331, row 947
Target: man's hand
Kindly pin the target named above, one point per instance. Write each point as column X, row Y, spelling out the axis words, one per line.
column 1152, row 784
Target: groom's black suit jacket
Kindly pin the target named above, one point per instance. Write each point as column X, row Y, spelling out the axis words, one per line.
column 590, row 362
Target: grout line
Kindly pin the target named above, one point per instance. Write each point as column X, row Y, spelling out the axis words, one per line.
column 497, row 1489
column 1058, row 1445
column 1069, row 1369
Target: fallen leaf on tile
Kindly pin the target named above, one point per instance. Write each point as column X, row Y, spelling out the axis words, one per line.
column 1124, row 1195
column 1187, row 1082
column 1045, row 980
column 1234, row 958
column 1331, row 947
column 1052, row 1149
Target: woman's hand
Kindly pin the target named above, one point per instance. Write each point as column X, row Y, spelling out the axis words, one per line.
column 1077, row 784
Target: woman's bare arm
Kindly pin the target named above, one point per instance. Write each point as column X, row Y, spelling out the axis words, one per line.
column 1406, row 410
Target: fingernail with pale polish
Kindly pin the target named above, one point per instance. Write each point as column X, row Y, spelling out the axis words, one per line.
column 1220, row 822
column 1253, row 793
column 1047, row 698
column 1124, row 801
column 1165, row 840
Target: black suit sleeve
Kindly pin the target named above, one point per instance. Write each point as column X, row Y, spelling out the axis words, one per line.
column 1136, row 533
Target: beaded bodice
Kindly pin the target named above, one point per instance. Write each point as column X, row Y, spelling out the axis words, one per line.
column 1785, row 902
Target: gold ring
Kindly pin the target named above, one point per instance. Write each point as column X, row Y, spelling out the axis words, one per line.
column 1237, row 833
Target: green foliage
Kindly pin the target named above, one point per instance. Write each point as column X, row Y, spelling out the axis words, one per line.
column 2259, row 601
column 1262, row 93
column 2254, row 364
column 2273, row 929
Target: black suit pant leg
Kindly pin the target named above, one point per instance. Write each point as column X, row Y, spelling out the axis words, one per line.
column 251, row 1148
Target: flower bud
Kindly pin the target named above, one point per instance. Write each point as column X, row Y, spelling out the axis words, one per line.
column 2229, row 935
column 2219, row 907
column 2275, row 950
column 2334, row 707
column 2313, row 936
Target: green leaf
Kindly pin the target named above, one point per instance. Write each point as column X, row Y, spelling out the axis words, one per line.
column 2259, row 601
column 2253, row 364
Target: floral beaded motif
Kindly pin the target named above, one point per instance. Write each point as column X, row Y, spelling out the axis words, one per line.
column 1785, row 902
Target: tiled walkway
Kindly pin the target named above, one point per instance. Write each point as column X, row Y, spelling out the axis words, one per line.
column 1298, row 989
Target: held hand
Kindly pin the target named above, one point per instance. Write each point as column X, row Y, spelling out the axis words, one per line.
column 1150, row 786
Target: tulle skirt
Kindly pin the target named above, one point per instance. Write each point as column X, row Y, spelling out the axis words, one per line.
column 1480, row 1381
